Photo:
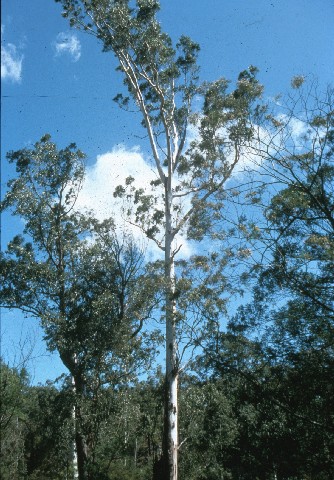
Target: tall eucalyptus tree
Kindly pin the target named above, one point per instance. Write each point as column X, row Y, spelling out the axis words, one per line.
column 162, row 81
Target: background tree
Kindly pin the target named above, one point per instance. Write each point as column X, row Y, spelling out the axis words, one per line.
column 77, row 278
column 208, row 429
column 139, row 420
column 281, row 345
column 48, row 433
column 300, row 278
column 299, row 159
column 12, row 415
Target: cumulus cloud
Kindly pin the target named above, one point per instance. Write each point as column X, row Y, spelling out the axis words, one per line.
column 110, row 170
column 68, row 44
column 298, row 128
column 11, row 61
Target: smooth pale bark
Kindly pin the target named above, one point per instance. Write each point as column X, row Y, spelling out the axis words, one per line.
column 80, row 444
column 75, row 455
column 171, row 403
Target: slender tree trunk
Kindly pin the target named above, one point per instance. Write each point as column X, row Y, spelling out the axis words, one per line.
column 81, row 451
column 135, row 453
column 171, row 402
column 75, row 456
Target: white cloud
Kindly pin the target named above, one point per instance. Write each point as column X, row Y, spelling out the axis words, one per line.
column 110, row 170
column 296, row 127
column 11, row 61
column 68, row 43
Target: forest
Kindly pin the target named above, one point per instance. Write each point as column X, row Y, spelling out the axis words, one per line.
column 213, row 357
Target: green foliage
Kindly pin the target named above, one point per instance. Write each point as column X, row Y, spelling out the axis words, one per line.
column 135, row 418
column 301, row 214
column 35, row 429
column 208, row 430
column 48, row 433
column 162, row 81
column 13, row 385
column 89, row 288
column 280, row 346
column 297, row 81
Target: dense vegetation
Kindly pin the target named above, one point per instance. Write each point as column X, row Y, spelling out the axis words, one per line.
column 247, row 322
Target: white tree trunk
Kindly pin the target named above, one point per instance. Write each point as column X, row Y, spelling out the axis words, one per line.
column 75, row 456
column 171, row 346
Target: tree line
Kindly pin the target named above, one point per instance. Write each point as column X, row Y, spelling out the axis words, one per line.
column 247, row 389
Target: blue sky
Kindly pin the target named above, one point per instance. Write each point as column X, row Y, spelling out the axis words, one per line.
column 57, row 80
